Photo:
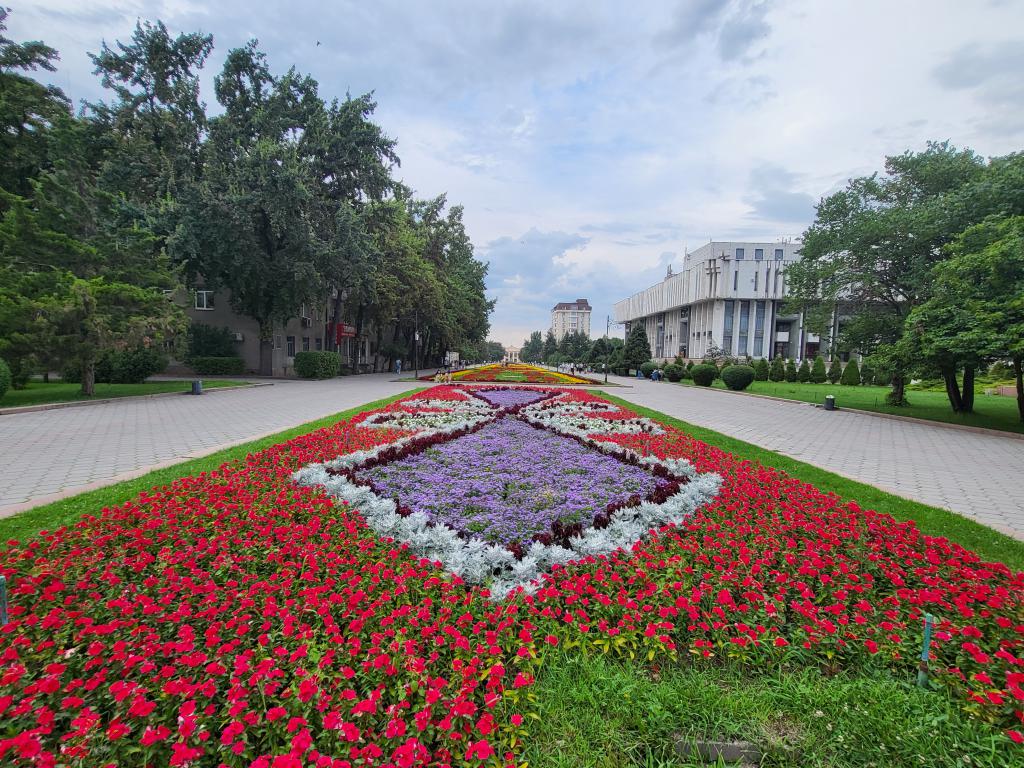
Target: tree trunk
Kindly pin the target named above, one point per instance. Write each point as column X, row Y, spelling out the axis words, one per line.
column 89, row 377
column 898, row 395
column 266, row 349
column 1018, row 374
column 953, row 390
column 332, row 338
column 967, row 398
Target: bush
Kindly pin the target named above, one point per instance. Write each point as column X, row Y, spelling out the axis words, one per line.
column 218, row 366
column 803, row 374
column 790, row 370
column 738, row 377
column 851, row 374
column 5, row 378
column 128, row 366
column 777, row 370
column 208, row 341
column 704, row 374
column 674, row 372
column 835, row 371
column 867, row 374
column 648, row 368
column 761, row 370
column 818, row 373
column 317, row 365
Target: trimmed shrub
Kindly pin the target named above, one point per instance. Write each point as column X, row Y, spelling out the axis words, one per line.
column 704, row 374
column 218, row 366
column 851, row 374
column 867, row 374
column 790, row 370
column 835, row 371
column 738, row 377
column 5, row 378
column 209, row 341
column 317, row 365
column 818, row 373
column 648, row 368
column 761, row 370
column 777, row 370
column 803, row 374
column 689, row 365
column 128, row 366
column 674, row 372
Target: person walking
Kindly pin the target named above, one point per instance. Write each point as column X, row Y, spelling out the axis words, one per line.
column 398, row 367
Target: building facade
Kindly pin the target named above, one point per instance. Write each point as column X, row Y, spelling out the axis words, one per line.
column 511, row 354
column 727, row 297
column 570, row 317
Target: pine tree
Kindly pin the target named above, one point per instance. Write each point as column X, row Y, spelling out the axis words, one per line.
column 638, row 349
column 777, row 371
column 851, row 374
column 550, row 346
column 803, row 374
column 761, row 371
column 818, row 374
column 867, row 373
column 835, row 371
column 791, row 370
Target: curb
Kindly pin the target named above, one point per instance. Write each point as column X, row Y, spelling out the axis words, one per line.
column 83, row 403
column 894, row 416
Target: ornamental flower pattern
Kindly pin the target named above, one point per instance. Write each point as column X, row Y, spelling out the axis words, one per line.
column 236, row 618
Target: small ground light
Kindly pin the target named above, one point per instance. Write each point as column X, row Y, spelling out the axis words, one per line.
column 3, row 600
column 197, row 387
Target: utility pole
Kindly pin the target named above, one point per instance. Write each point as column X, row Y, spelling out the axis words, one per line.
column 416, row 336
column 607, row 346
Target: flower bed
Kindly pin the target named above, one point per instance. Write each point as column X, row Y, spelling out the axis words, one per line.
column 514, row 373
column 238, row 618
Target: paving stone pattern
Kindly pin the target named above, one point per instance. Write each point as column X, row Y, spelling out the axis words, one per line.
column 977, row 475
column 48, row 454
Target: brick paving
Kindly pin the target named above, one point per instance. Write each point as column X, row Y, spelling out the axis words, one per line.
column 980, row 476
column 46, row 455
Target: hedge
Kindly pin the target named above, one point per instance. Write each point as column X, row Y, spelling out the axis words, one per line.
column 738, row 377
column 704, row 374
column 218, row 366
column 127, row 366
column 674, row 372
column 648, row 368
column 5, row 378
column 317, row 365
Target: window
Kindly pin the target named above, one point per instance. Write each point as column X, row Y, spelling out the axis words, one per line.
column 305, row 343
column 204, row 299
column 291, row 346
column 277, row 341
column 756, row 276
column 739, row 254
column 735, row 280
column 778, row 254
column 744, row 326
column 758, row 254
column 777, row 273
column 759, row 330
column 319, row 344
column 727, row 330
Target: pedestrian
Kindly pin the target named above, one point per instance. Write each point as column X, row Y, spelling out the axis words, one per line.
column 398, row 367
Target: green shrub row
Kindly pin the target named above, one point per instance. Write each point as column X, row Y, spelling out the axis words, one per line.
column 5, row 378
column 127, row 366
column 218, row 366
column 317, row 365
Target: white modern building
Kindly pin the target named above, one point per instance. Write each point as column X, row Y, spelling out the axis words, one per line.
column 511, row 354
column 570, row 317
column 728, row 295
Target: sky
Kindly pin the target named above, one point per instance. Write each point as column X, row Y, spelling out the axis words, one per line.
column 593, row 143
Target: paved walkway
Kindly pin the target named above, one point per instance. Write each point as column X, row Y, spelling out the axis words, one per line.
column 47, row 455
column 980, row 476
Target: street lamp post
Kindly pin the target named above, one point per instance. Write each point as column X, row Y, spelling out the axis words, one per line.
column 416, row 348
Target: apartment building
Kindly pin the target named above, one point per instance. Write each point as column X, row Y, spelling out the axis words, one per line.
column 571, row 317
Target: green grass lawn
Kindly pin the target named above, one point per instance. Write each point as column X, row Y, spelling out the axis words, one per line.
column 990, row 411
column 38, row 393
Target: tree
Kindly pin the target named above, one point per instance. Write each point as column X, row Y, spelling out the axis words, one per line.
column 550, row 346
column 598, row 352
column 574, row 346
column 803, row 374
column 867, row 373
column 637, row 350
column 871, row 248
column 835, row 370
column 761, row 370
column 851, row 375
column 791, row 374
column 493, row 350
column 777, row 370
column 533, row 348
column 818, row 373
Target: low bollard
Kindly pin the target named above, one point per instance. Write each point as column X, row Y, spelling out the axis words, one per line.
column 3, row 600
column 926, row 644
column 830, row 402
column 197, row 387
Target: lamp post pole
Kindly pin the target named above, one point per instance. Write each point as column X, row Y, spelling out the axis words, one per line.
column 416, row 349
column 607, row 348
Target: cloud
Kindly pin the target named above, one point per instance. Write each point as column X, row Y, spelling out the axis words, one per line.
column 981, row 64
column 772, row 196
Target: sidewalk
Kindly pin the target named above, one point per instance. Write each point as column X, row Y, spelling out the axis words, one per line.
column 980, row 476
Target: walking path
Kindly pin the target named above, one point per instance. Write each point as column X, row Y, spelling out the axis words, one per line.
column 980, row 476
column 48, row 455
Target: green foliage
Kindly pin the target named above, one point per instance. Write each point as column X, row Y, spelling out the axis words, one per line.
column 777, row 370
column 818, row 372
column 674, row 372
column 5, row 378
column 648, row 368
column 738, row 377
column 532, row 350
column 761, row 370
column 791, row 374
column 209, row 341
column 637, row 350
column 867, row 374
column 851, row 374
column 317, row 365
column 130, row 366
column 550, row 346
column 218, row 366
column 704, row 374
column 835, row 370
column 803, row 374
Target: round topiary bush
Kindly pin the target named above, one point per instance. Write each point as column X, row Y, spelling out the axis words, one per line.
column 738, row 377
column 5, row 378
column 704, row 374
column 648, row 368
column 673, row 372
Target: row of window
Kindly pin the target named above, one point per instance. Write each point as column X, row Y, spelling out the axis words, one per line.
column 290, row 344
column 758, row 254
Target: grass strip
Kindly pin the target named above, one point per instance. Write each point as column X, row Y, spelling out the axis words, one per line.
column 987, row 542
column 38, row 393
column 51, row 516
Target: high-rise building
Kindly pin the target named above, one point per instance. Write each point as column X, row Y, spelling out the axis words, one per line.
column 571, row 317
